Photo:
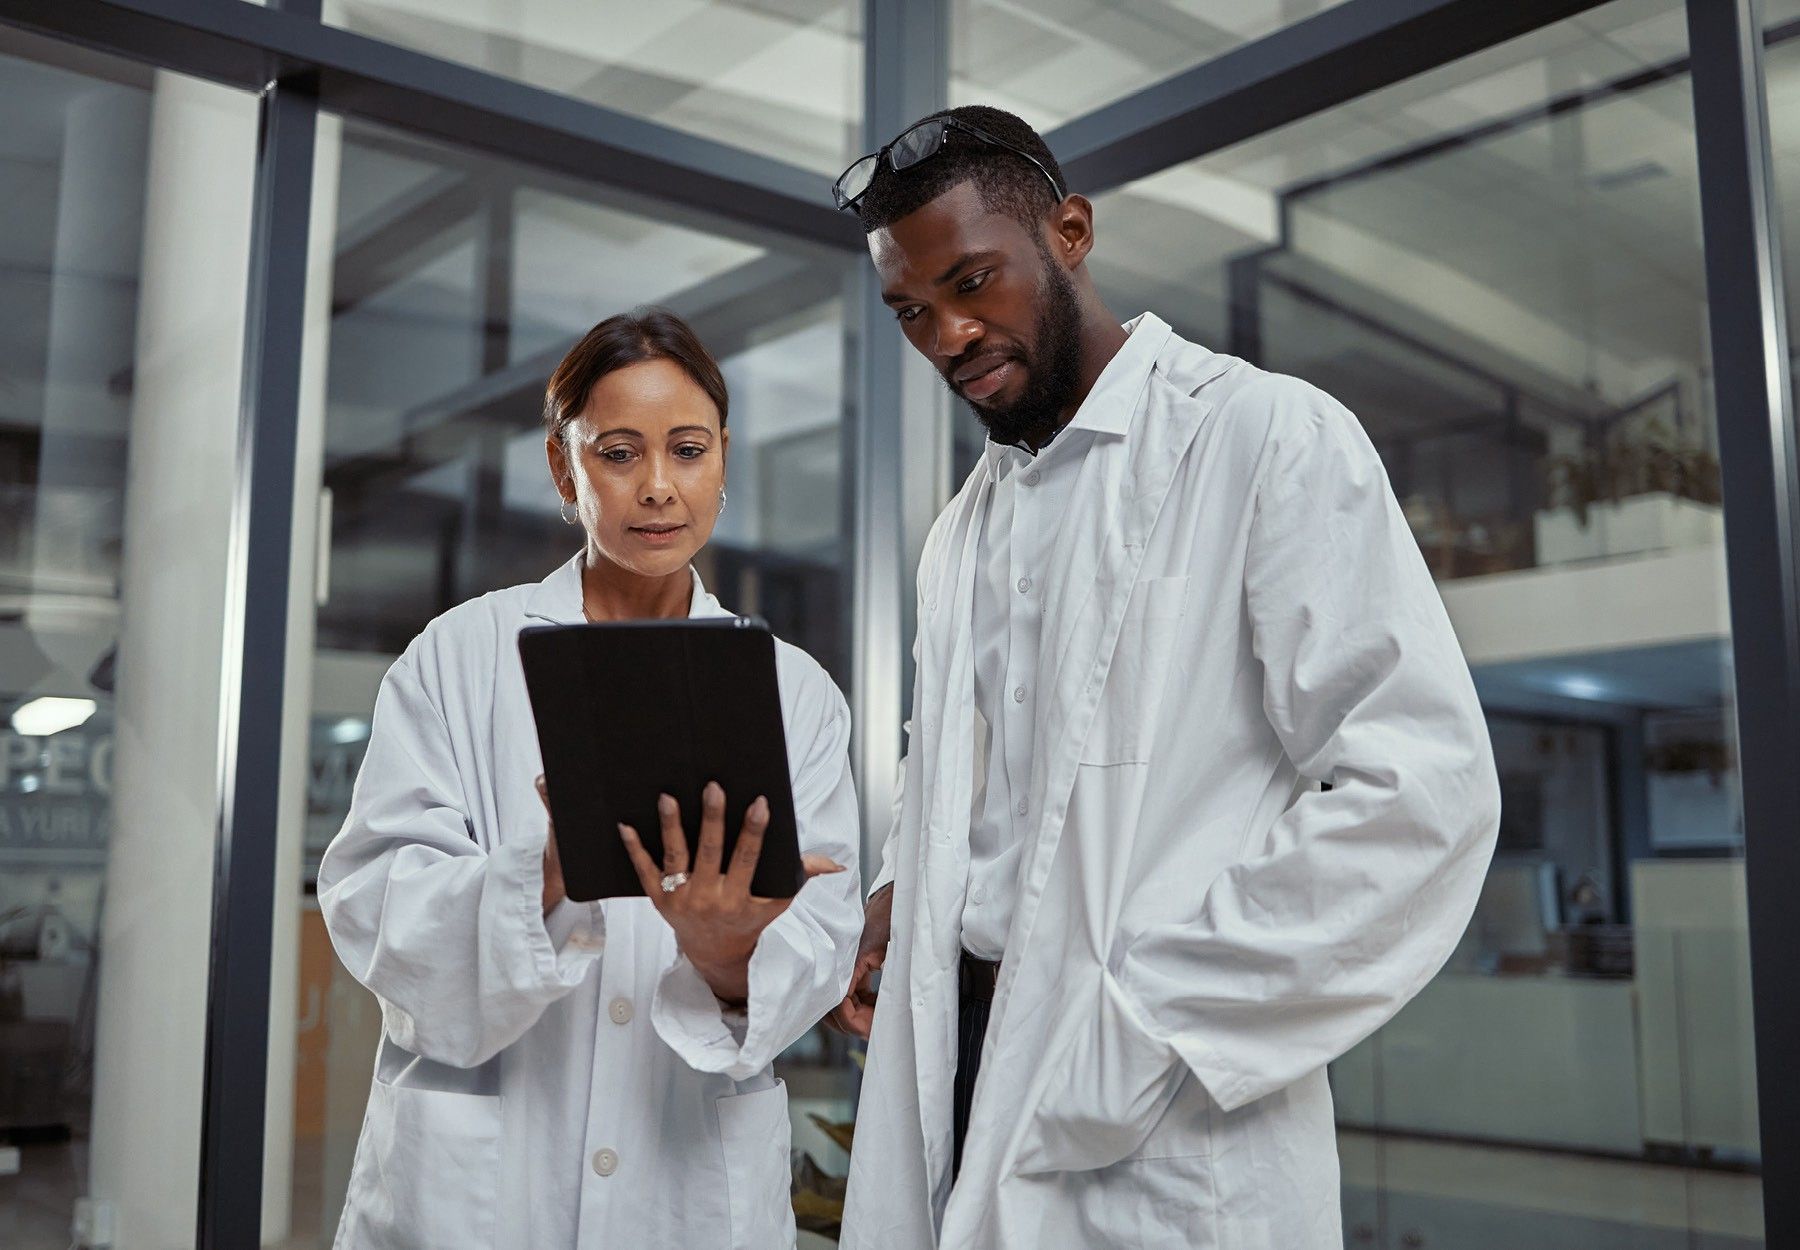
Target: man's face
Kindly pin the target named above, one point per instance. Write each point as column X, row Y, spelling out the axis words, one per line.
column 984, row 300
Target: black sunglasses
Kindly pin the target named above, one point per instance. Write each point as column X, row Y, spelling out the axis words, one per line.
column 917, row 144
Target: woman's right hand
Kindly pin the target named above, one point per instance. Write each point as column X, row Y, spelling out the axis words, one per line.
column 554, row 892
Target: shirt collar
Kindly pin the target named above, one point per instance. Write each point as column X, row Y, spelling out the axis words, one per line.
column 1113, row 401
column 557, row 598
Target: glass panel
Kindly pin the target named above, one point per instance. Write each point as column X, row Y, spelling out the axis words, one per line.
column 122, row 276
column 1498, row 268
column 455, row 286
column 1053, row 63
column 783, row 79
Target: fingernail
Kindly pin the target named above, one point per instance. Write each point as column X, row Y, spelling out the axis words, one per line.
column 665, row 803
column 714, row 791
column 540, row 783
column 626, row 831
column 759, row 810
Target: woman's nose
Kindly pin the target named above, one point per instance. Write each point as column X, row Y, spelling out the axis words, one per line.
column 657, row 486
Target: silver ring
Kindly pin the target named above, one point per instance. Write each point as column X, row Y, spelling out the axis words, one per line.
column 673, row 881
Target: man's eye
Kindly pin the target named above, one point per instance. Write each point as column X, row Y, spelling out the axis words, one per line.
column 908, row 314
column 972, row 283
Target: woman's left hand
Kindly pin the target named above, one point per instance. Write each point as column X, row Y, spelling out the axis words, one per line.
column 715, row 917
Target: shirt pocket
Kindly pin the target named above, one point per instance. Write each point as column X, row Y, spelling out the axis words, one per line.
column 756, row 1135
column 1122, row 732
column 426, row 1175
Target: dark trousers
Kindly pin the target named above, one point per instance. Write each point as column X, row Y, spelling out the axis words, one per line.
column 974, row 1003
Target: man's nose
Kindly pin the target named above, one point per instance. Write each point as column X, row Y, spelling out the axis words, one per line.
column 955, row 335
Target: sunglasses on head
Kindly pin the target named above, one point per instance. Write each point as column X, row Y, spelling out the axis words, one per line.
column 920, row 143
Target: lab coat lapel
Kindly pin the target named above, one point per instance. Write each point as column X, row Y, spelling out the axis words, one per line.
column 945, row 734
column 1100, row 551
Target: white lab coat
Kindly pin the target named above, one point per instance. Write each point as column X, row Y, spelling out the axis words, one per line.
column 547, row 1085
column 1235, row 611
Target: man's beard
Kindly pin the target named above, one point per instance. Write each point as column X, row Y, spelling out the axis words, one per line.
column 1052, row 366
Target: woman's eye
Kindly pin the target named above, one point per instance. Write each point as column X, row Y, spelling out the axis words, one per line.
column 618, row 455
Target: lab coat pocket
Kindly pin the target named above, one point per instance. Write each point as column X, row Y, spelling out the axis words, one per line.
column 1112, row 1086
column 758, row 1179
column 1141, row 663
column 1144, row 1203
column 426, row 1174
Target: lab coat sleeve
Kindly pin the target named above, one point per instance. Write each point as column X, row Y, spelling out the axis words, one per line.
column 890, row 848
column 800, row 968
column 1360, row 892
column 451, row 940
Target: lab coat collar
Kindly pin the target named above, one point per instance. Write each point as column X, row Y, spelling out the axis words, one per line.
column 557, row 598
column 1119, row 390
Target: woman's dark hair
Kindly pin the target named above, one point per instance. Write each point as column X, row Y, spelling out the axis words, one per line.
column 629, row 339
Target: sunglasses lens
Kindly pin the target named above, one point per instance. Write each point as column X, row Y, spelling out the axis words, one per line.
column 854, row 181
column 916, row 144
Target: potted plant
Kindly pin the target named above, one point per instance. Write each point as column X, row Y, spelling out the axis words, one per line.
column 1644, row 489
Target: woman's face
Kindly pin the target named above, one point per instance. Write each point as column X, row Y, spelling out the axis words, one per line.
column 644, row 464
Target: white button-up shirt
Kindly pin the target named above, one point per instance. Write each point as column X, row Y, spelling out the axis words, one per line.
column 1024, row 516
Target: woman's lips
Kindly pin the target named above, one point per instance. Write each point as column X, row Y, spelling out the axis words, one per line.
column 658, row 536
column 988, row 384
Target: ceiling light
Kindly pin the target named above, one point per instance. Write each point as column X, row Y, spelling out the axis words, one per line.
column 51, row 715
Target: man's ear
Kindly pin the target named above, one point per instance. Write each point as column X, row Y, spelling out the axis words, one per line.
column 1072, row 230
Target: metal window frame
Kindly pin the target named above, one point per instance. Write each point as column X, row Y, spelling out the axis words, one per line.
column 1759, row 461
column 229, row 1198
column 898, row 475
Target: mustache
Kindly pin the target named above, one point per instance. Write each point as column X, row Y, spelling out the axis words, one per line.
column 989, row 356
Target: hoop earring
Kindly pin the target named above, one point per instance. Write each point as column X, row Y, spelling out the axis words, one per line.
column 563, row 512
column 721, row 500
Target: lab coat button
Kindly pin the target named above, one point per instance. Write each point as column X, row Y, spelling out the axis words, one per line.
column 1031, row 478
column 1024, row 807
column 1024, row 585
column 1019, row 695
column 620, row 1010
column 605, row 1162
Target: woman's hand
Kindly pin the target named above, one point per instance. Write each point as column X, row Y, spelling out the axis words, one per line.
column 554, row 892
column 715, row 917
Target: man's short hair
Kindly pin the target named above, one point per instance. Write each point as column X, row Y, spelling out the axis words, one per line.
column 1007, row 182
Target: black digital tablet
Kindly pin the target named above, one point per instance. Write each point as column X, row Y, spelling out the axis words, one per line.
column 630, row 710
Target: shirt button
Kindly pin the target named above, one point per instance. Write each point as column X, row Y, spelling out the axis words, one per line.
column 620, row 1010
column 1019, row 695
column 605, row 1162
column 1023, row 807
column 1031, row 478
column 1024, row 585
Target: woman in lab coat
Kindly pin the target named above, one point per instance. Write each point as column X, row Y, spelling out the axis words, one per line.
column 555, row 1074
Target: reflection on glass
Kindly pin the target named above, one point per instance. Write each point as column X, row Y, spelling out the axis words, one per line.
column 784, row 80
column 1497, row 266
column 1053, row 63
column 457, row 285
column 122, row 279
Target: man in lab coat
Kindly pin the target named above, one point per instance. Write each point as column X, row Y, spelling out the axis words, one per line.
column 1124, row 927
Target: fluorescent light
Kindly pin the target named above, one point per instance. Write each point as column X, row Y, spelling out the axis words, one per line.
column 349, row 730
column 51, row 715
column 1577, row 686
